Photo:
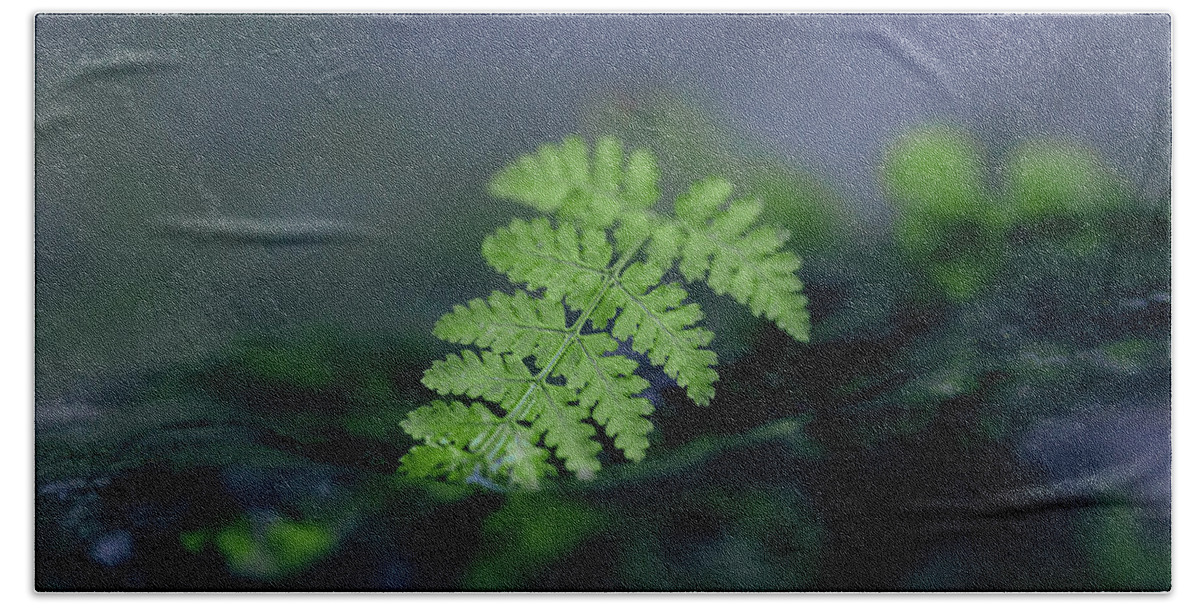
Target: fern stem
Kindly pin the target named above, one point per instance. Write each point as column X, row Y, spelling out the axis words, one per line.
column 512, row 416
column 516, row 412
column 787, row 431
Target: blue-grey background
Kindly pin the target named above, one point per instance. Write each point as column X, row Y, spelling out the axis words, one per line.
column 385, row 128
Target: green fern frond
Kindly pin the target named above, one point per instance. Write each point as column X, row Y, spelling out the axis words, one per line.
column 501, row 379
column 452, row 423
column 596, row 276
column 525, row 326
column 561, row 427
column 448, row 430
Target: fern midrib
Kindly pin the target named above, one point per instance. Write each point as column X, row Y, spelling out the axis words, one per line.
column 612, row 278
column 572, row 263
column 603, row 377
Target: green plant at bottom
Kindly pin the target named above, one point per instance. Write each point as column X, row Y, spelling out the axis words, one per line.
column 265, row 550
column 600, row 267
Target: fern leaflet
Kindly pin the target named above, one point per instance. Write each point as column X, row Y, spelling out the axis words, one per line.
column 726, row 249
column 560, row 179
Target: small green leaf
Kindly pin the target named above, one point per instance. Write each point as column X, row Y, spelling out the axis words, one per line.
column 563, row 429
column 663, row 328
column 606, row 173
column 488, row 375
column 736, row 257
column 607, row 386
column 702, row 200
column 560, row 180
column 518, row 324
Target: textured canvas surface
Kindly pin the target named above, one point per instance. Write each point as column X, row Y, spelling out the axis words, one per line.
column 260, row 240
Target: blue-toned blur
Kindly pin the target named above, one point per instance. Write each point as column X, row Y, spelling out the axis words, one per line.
column 248, row 226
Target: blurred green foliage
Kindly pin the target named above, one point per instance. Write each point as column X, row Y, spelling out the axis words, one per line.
column 264, row 550
column 1053, row 178
column 528, row 534
column 1041, row 276
column 947, row 221
column 1057, row 199
column 1120, row 554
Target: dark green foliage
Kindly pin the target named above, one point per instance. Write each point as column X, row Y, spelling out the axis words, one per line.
column 528, row 534
column 815, row 467
column 1121, row 555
